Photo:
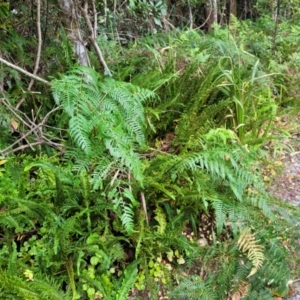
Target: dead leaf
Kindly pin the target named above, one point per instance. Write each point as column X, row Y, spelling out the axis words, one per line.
column 14, row 124
column 236, row 296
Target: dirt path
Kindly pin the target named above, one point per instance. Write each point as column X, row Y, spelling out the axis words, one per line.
column 286, row 187
column 296, row 296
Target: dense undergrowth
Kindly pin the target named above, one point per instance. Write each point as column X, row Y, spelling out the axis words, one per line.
column 158, row 186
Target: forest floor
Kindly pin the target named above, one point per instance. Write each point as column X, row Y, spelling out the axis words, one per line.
column 285, row 184
column 284, row 171
column 286, row 187
column 282, row 176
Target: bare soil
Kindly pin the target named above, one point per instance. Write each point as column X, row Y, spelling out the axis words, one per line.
column 285, row 186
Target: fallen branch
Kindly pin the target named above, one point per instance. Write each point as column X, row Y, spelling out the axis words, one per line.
column 13, row 111
column 2, row 60
column 52, row 144
column 41, row 139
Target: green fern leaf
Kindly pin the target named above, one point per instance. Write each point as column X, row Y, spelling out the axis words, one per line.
column 80, row 130
column 127, row 218
column 130, row 276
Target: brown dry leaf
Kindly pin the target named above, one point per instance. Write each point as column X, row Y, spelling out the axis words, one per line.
column 241, row 292
column 292, row 290
column 14, row 124
column 277, row 298
column 236, row 296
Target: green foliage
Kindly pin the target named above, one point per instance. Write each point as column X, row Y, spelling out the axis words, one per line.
column 194, row 288
column 104, row 116
column 128, row 281
column 233, row 277
column 37, row 287
column 159, row 176
column 53, row 212
column 206, row 82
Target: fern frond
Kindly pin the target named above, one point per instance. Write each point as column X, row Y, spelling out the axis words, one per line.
column 107, row 112
column 220, row 210
column 194, row 288
column 127, row 218
column 241, row 290
column 13, row 284
column 248, row 244
column 79, row 131
column 130, row 276
column 48, row 288
column 37, row 289
column 220, row 135
column 103, row 168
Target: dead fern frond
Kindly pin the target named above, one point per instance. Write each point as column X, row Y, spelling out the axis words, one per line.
column 241, row 291
column 248, row 245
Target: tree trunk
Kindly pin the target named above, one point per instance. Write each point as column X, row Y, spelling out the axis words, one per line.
column 70, row 19
column 232, row 7
column 212, row 12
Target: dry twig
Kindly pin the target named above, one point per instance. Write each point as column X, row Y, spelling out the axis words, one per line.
column 92, row 38
column 2, row 60
column 37, row 129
